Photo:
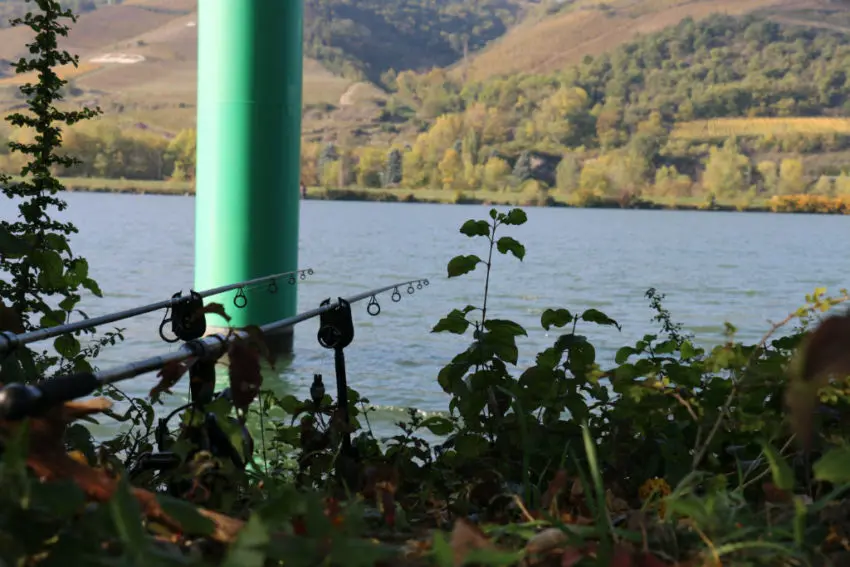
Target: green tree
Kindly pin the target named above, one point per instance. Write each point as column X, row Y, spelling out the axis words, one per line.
column 451, row 168
column 727, row 171
column 567, row 174
column 496, row 172
column 182, row 152
column 824, row 187
column 393, row 174
column 45, row 278
column 769, row 176
column 791, row 177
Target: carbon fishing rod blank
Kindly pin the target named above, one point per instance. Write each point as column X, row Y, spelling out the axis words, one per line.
column 18, row 401
column 9, row 341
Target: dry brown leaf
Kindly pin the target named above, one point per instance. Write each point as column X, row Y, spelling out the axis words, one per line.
column 214, row 309
column 246, row 377
column 559, row 483
column 168, row 376
column 546, row 541
column 825, row 352
column 774, row 494
column 48, row 459
column 258, row 339
column 467, row 537
column 622, row 556
column 646, row 559
column 572, row 556
column 614, row 503
column 10, row 320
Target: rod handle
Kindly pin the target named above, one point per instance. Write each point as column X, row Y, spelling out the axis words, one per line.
column 19, row 401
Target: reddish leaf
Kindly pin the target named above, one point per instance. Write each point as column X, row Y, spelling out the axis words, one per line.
column 215, row 309
column 774, row 494
column 622, row 557
column 10, row 320
column 572, row 556
column 555, row 487
column 647, row 559
column 388, row 507
column 465, row 538
column 168, row 376
column 202, row 379
column 299, row 526
column 258, row 339
column 824, row 353
column 245, row 375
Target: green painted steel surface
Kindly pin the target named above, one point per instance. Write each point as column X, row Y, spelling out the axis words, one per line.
column 248, row 164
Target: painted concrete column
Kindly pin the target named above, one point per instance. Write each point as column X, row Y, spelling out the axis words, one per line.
column 248, row 157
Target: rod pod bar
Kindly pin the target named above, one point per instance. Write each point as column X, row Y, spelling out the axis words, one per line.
column 18, row 401
column 9, row 341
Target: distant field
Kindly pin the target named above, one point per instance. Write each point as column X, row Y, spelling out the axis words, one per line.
column 66, row 72
column 591, row 27
column 726, row 127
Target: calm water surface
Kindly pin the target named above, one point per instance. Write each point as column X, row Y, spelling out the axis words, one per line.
column 745, row 268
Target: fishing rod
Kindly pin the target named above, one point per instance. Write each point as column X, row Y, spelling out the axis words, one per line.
column 9, row 341
column 18, row 401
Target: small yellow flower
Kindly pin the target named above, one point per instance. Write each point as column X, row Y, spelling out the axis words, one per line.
column 656, row 486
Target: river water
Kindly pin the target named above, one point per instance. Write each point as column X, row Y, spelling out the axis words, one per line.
column 745, row 268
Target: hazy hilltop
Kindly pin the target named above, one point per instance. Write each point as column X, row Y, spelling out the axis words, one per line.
column 139, row 57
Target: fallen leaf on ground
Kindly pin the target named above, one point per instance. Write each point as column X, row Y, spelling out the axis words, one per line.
column 467, row 537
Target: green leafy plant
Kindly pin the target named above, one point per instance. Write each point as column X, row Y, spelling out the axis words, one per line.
column 45, row 279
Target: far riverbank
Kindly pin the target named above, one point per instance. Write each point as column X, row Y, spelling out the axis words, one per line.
column 437, row 196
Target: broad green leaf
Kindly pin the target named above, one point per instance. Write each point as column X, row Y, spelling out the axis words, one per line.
column 442, row 551
column 460, row 265
column 550, row 357
column 92, row 286
column 57, row 242
column 598, row 317
column 78, row 271
column 555, row 318
column 439, row 425
column 69, row 303
column 783, row 476
column 51, row 269
column 470, row 445
column 67, row 346
column 63, row 498
column 688, row 350
column 507, row 244
column 249, row 549
column 127, row 518
column 505, row 327
column 12, row 246
column 834, row 466
column 475, row 228
column 186, row 515
column 454, row 322
column 492, row 557
column 515, row 217
column 690, row 507
column 623, row 354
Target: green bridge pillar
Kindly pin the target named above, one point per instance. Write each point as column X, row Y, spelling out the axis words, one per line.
column 248, row 157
